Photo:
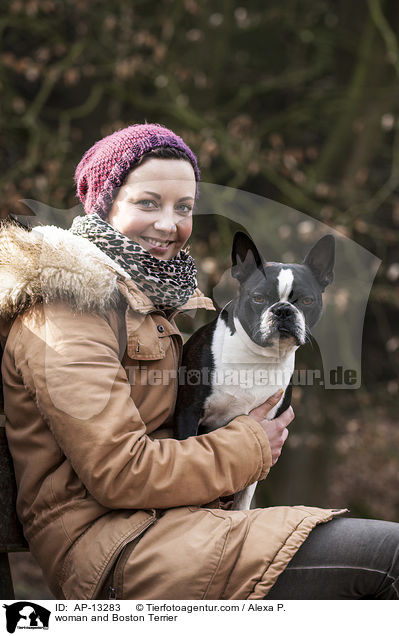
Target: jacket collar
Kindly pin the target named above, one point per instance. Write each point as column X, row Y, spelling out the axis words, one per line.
column 143, row 305
column 50, row 263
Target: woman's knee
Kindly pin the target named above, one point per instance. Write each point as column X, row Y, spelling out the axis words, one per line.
column 344, row 558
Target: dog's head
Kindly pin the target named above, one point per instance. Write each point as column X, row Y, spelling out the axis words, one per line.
column 279, row 303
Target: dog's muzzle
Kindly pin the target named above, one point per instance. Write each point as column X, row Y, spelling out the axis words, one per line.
column 284, row 321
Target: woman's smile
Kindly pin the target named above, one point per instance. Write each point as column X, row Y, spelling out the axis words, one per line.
column 157, row 246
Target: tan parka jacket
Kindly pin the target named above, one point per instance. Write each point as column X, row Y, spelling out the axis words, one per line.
column 90, row 382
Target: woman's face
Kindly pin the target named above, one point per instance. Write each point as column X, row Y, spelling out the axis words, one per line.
column 154, row 206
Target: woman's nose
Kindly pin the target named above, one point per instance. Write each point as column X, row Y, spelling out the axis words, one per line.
column 165, row 222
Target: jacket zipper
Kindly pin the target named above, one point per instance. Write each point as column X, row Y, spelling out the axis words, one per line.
column 112, row 587
column 115, row 554
column 176, row 356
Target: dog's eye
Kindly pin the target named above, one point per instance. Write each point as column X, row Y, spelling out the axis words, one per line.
column 258, row 298
column 307, row 300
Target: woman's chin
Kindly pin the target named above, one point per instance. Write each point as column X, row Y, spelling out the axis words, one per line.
column 162, row 258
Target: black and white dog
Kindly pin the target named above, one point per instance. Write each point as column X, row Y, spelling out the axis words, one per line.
column 236, row 362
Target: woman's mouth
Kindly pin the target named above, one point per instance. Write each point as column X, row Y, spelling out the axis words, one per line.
column 156, row 244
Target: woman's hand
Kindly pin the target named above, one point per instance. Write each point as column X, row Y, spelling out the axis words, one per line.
column 276, row 430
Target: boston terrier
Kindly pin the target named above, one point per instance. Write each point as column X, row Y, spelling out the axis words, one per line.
column 236, row 362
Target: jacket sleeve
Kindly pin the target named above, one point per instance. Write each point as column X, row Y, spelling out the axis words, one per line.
column 70, row 365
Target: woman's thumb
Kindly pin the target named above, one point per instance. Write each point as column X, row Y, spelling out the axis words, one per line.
column 271, row 401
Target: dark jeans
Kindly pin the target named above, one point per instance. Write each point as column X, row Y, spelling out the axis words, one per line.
column 344, row 559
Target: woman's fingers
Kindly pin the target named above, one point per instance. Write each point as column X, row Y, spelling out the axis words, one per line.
column 261, row 411
column 285, row 418
column 277, row 431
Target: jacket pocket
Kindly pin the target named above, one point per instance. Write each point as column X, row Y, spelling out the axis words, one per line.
column 91, row 558
column 150, row 339
column 122, row 550
column 114, row 589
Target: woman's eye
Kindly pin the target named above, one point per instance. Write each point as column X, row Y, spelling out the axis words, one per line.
column 307, row 300
column 258, row 298
column 146, row 203
column 185, row 209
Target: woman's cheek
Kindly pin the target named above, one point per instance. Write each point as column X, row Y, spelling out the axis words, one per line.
column 185, row 228
column 134, row 221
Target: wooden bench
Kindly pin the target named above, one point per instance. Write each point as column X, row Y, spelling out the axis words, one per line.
column 11, row 536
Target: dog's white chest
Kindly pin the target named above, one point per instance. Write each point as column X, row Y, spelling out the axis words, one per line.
column 244, row 376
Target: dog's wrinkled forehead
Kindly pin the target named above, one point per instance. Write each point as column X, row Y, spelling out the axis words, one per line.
column 282, row 281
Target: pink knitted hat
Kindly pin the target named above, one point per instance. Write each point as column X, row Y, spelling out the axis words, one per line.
column 104, row 167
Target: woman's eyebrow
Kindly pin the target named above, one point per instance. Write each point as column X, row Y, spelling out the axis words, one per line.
column 153, row 194
column 158, row 196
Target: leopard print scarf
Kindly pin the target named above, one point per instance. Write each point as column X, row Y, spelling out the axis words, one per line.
column 166, row 283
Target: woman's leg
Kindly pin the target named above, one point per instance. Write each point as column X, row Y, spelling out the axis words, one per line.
column 344, row 559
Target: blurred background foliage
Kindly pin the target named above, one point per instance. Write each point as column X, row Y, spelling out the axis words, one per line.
column 297, row 101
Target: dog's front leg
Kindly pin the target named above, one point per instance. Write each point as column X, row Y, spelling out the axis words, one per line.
column 242, row 499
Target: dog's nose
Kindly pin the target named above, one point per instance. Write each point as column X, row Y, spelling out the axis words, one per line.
column 281, row 310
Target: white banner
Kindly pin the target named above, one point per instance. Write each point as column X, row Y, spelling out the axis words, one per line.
column 181, row 617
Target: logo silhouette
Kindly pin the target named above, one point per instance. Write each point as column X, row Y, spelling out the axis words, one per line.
column 26, row 616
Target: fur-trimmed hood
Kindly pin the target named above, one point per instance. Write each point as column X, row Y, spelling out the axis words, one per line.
column 49, row 263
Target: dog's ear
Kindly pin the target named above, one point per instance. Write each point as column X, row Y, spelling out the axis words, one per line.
column 320, row 260
column 245, row 257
